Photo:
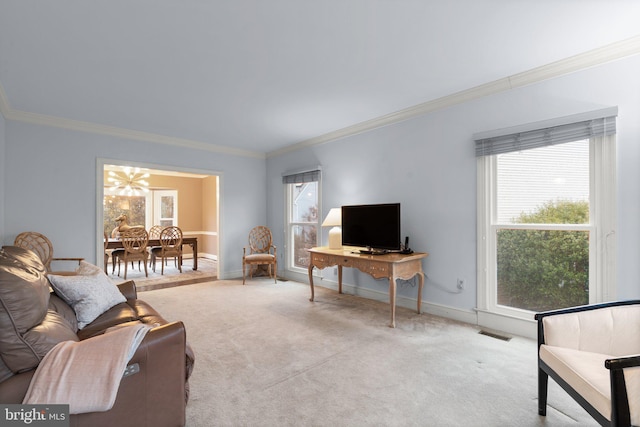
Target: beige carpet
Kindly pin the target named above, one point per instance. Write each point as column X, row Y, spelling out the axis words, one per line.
column 267, row 356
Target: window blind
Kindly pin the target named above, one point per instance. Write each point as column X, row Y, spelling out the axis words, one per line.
column 553, row 135
column 301, row 177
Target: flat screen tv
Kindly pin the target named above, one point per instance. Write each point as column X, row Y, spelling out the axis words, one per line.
column 374, row 227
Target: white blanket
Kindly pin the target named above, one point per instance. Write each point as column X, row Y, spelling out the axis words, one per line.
column 85, row 374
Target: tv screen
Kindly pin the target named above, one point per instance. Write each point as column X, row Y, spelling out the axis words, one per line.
column 372, row 226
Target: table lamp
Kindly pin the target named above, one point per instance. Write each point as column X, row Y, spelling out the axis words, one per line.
column 334, row 219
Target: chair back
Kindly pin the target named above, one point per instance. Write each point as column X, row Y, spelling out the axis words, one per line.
column 171, row 238
column 260, row 240
column 37, row 243
column 154, row 232
column 135, row 240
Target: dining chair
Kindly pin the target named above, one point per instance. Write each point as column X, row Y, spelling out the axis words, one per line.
column 170, row 247
column 134, row 242
column 154, row 233
column 43, row 247
column 261, row 252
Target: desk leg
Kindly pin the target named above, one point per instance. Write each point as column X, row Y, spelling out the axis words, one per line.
column 311, row 280
column 392, row 300
column 420, row 286
column 339, row 279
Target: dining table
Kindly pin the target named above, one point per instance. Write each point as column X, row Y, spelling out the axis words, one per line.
column 191, row 241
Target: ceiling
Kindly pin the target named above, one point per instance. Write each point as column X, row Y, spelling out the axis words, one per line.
column 258, row 76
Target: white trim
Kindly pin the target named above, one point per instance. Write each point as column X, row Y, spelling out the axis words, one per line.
column 100, row 164
column 81, row 126
column 594, row 57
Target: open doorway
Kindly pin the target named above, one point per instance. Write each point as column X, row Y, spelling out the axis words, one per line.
column 149, row 195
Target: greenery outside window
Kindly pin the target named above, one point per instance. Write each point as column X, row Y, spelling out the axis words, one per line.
column 546, row 218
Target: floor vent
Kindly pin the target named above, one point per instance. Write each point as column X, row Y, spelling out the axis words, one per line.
column 495, row 335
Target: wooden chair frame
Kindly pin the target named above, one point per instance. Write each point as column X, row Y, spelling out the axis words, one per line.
column 134, row 241
column 261, row 252
column 42, row 246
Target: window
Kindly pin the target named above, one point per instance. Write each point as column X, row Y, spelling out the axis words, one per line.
column 546, row 218
column 165, row 207
column 302, row 198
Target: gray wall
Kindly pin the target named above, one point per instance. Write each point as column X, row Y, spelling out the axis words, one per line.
column 428, row 165
column 50, row 187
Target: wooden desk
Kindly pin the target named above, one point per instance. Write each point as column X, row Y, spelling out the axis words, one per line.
column 191, row 241
column 392, row 266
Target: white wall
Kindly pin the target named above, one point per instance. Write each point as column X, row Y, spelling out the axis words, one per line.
column 428, row 165
column 50, row 187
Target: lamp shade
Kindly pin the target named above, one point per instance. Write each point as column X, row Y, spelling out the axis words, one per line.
column 334, row 219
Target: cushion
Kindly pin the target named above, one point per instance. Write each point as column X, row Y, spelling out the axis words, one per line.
column 90, row 293
column 24, row 303
column 259, row 258
column 585, row 372
column 605, row 330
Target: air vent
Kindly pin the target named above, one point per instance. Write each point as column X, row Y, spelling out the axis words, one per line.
column 495, row 335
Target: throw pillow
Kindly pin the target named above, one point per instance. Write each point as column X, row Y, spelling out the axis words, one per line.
column 90, row 293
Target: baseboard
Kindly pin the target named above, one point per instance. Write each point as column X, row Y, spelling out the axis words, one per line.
column 512, row 325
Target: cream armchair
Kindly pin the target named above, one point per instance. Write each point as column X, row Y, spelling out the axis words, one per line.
column 593, row 353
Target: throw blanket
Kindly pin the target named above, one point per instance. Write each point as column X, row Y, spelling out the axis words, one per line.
column 85, row 374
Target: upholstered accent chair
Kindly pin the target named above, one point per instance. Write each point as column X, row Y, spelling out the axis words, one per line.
column 261, row 252
column 593, row 353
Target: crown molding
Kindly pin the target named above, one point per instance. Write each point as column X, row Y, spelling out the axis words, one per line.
column 592, row 58
column 81, row 126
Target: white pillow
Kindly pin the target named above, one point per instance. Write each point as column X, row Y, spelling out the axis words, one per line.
column 90, row 293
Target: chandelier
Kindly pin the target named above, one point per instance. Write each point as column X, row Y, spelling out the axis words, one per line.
column 129, row 182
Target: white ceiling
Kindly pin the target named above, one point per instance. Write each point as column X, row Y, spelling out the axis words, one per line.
column 262, row 75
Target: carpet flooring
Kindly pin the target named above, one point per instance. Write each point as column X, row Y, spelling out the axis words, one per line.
column 267, row 356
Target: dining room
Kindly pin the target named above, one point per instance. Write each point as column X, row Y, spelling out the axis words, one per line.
column 143, row 198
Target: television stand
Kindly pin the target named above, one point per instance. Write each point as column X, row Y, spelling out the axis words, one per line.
column 392, row 266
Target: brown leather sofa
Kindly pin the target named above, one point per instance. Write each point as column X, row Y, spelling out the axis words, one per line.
column 33, row 320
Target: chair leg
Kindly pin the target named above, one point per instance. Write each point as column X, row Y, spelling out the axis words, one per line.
column 146, row 273
column 125, row 269
column 244, row 268
column 275, row 272
column 162, row 262
column 543, row 380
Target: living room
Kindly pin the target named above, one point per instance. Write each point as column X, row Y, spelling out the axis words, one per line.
column 418, row 151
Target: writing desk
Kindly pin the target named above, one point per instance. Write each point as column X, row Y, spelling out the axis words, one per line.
column 191, row 241
column 392, row 266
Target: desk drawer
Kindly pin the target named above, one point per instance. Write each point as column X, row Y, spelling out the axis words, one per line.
column 379, row 269
column 322, row 261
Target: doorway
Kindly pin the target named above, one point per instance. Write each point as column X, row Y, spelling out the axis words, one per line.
column 148, row 193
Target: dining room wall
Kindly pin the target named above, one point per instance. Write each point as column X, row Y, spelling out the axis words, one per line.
column 51, row 186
